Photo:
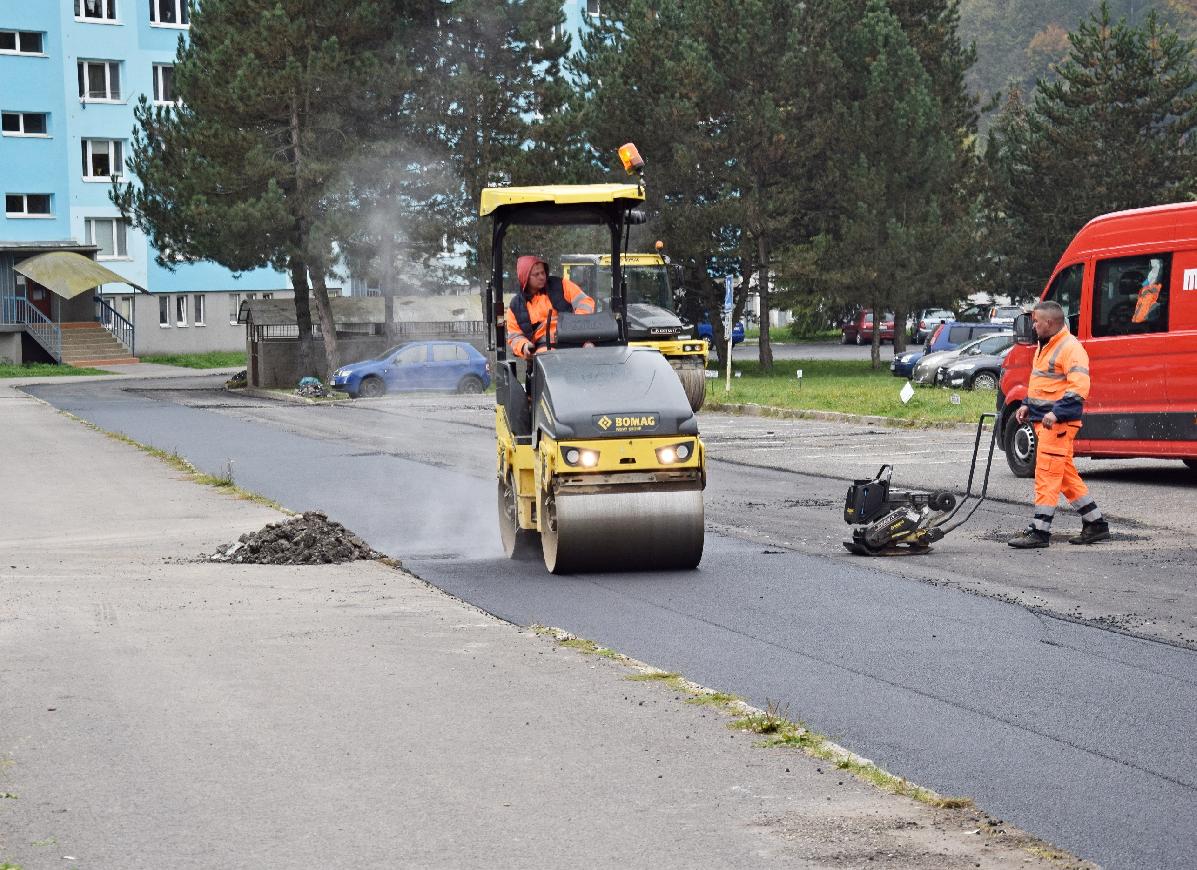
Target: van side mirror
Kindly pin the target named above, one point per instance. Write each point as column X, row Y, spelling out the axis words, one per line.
column 1024, row 332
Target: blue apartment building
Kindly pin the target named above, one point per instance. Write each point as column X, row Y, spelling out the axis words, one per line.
column 71, row 72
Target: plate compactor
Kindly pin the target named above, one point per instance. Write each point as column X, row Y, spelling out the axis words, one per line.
column 600, row 466
column 900, row 522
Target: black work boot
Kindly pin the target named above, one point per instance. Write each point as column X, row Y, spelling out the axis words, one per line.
column 1091, row 533
column 1030, row 539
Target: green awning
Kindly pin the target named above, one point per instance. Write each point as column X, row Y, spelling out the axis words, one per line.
column 67, row 274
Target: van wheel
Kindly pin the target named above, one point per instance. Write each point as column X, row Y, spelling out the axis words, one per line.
column 1020, row 448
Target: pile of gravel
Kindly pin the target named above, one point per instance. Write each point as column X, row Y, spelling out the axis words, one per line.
column 310, row 539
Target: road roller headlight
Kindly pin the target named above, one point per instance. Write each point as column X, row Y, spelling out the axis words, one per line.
column 580, row 457
column 691, row 348
column 675, row 453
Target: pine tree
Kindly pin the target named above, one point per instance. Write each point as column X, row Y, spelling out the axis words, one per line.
column 277, row 97
column 894, row 188
column 1114, row 130
column 489, row 89
column 723, row 99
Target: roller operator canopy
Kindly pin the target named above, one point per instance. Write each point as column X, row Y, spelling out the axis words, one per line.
column 68, row 275
column 558, row 203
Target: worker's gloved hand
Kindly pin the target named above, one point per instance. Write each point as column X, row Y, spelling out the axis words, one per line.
column 1049, row 420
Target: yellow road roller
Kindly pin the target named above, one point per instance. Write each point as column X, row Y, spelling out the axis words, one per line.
column 600, row 464
column 652, row 316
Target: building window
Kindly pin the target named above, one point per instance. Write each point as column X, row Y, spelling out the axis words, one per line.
column 102, row 159
column 20, row 42
column 172, row 12
column 164, row 83
column 109, row 234
column 164, row 311
column 95, row 10
column 180, row 310
column 234, row 307
column 199, row 309
column 27, row 205
column 592, row 7
column 100, row 80
column 23, row 123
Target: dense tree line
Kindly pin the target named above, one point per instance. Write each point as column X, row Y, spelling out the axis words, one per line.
column 826, row 153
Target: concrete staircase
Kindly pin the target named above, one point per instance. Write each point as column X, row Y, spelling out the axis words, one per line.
column 89, row 344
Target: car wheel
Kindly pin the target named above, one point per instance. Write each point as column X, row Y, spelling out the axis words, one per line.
column 859, row 339
column 1020, row 448
column 985, row 381
column 470, row 384
column 372, row 387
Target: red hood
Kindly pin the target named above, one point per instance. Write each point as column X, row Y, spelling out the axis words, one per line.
column 523, row 268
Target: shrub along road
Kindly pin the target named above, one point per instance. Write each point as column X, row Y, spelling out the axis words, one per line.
column 1069, row 730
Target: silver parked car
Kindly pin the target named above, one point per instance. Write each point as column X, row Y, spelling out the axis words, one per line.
column 1004, row 313
column 926, row 321
column 928, row 367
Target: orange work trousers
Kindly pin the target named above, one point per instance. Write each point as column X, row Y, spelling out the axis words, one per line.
column 1055, row 472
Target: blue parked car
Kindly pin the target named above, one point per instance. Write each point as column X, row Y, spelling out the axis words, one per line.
column 949, row 335
column 903, row 364
column 705, row 330
column 420, row 365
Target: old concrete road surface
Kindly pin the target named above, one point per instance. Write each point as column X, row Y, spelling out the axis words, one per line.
column 1074, row 731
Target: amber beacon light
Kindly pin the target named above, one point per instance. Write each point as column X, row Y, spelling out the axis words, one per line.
column 630, row 156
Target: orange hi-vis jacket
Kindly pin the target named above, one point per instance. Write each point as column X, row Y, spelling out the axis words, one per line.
column 1149, row 295
column 1059, row 379
column 542, row 311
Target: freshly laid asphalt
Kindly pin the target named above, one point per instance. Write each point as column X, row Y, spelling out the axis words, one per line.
column 1080, row 736
column 158, row 709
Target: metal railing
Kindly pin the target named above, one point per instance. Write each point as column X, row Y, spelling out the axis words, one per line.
column 44, row 330
column 120, row 328
column 441, row 327
column 8, row 309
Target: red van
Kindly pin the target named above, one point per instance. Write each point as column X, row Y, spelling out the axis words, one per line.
column 1128, row 284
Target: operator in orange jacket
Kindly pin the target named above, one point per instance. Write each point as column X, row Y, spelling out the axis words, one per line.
column 532, row 314
column 1055, row 400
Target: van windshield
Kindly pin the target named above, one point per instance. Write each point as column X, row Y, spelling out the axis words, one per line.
column 1066, row 292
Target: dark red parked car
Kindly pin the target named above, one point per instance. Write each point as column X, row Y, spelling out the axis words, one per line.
column 860, row 329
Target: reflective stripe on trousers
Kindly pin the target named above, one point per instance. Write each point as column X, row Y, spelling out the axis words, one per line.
column 1055, row 471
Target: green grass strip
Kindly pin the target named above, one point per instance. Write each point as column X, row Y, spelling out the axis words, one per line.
column 216, row 359
column 845, row 386
column 45, row 370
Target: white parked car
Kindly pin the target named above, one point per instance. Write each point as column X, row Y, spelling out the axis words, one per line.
column 1004, row 313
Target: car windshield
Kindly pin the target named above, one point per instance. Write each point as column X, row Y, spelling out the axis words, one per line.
column 969, row 348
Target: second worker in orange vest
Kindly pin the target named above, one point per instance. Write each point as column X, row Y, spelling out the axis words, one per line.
column 1056, row 395
column 532, row 314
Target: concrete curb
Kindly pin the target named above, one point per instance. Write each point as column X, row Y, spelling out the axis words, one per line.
column 279, row 396
column 753, row 410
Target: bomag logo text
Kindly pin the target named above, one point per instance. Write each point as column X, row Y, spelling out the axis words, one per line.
column 626, row 422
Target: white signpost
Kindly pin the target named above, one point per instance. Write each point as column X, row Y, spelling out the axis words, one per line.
column 728, row 306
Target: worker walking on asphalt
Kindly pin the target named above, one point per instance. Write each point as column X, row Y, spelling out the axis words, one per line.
column 1055, row 400
column 532, row 314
